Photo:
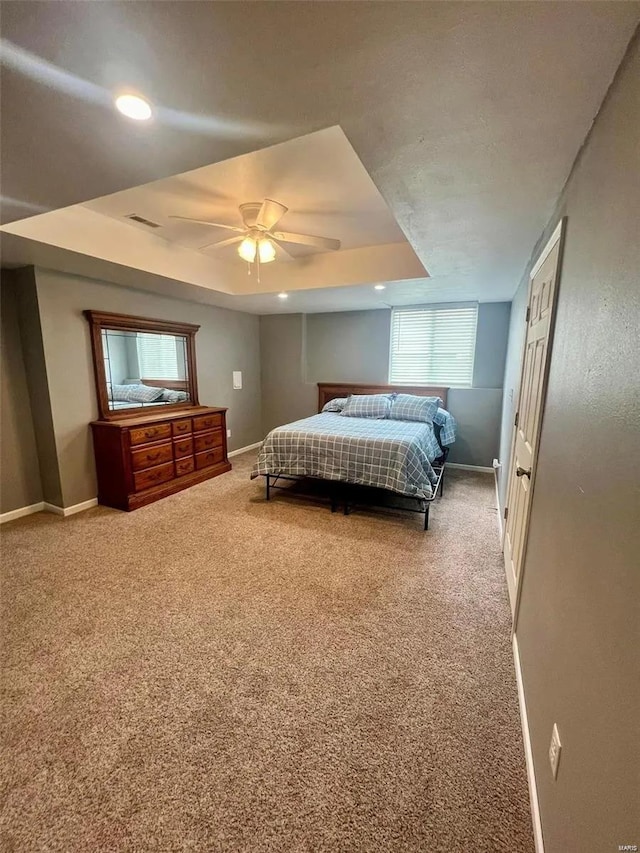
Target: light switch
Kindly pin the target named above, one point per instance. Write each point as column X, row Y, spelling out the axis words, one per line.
column 237, row 380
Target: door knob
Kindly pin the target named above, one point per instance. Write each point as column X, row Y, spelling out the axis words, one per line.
column 523, row 472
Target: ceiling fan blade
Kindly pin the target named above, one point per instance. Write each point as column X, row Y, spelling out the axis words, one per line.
column 308, row 240
column 220, row 243
column 206, row 222
column 270, row 213
column 282, row 249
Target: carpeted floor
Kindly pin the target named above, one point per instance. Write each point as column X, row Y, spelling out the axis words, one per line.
column 215, row 673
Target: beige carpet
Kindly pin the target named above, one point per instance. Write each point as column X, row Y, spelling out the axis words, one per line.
column 215, row 673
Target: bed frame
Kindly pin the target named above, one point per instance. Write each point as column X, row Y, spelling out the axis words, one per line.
column 351, row 495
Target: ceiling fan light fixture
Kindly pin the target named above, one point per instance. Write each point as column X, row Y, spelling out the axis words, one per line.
column 283, row 295
column 258, row 241
column 247, row 250
column 266, row 251
column 378, row 286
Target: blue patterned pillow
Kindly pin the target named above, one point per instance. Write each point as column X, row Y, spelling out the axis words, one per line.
column 335, row 405
column 409, row 407
column 367, row 406
column 136, row 393
column 448, row 426
column 169, row 395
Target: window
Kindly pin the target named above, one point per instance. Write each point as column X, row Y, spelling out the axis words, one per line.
column 157, row 356
column 433, row 344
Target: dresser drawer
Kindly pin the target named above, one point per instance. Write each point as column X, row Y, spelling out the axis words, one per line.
column 207, row 422
column 181, row 427
column 209, row 457
column 147, row 457
column 155, row 432
column 153, row 476
column 182, row 447
column 184, row 466
column 208, row 440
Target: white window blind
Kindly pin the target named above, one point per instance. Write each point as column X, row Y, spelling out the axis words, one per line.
column 157, row 356
column 433, row 344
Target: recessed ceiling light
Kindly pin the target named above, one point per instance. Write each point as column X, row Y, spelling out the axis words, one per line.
column 283, row 296
column 133, row 106
column 378, row 286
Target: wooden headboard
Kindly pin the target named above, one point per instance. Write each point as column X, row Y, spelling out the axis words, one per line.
column 330, row 390
column 172, row 384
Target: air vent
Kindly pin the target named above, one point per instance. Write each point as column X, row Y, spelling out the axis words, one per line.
column 135, row 218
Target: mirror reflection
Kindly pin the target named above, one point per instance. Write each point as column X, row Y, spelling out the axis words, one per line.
column 145, row 369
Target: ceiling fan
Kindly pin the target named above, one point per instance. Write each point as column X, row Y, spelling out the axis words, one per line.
column 257, row 236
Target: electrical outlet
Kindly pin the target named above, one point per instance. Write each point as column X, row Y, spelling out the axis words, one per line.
column 228, row 433
column 555, row 748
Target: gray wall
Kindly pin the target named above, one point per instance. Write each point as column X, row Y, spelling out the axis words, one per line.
column 491, row 344
column 286, row 396
column 20, row 482
column 578, row 625
column 348, row 346
column 354, row 346
column 38, row 385
column 119, row 368
column 226, row 341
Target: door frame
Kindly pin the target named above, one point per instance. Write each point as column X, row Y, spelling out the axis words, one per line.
column 558, row 236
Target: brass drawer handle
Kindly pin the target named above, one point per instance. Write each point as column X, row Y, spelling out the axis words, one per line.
column 151, row 457
column 182, row 427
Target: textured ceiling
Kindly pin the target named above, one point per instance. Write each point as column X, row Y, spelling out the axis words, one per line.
column 467, row 116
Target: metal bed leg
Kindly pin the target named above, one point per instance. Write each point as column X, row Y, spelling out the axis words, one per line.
column 426, row 517
column 268, row 491
column 442, row 483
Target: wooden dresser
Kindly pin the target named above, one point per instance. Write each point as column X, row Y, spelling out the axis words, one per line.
column 142, row 459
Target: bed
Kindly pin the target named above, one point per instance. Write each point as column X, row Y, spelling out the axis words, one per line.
column 361, row 459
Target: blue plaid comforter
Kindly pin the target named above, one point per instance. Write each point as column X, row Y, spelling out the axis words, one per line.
column 387, row 454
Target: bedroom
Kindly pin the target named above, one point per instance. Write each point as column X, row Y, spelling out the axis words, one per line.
column 210, row 671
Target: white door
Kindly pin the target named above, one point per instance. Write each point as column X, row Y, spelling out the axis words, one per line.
column 526, row 432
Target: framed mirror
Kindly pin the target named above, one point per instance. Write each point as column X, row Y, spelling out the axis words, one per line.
column 142, row 365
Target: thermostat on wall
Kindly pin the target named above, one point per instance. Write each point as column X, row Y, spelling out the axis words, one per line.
column 237, row 380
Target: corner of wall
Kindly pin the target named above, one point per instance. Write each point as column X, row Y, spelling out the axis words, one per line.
column 21, row 486
column 37, row 384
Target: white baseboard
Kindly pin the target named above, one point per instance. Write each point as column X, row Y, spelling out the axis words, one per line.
column 244, row 449
column 53, row 508
column 484, row 469
column 70, row 510
column 20, row 513
column 528, row 754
